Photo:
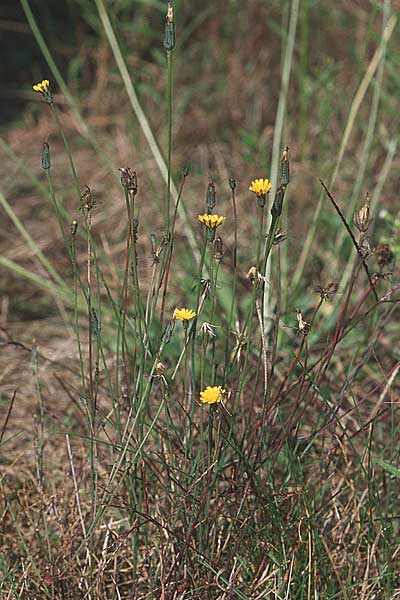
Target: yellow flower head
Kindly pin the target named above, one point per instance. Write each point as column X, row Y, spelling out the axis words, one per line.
column 184, row 314
column 211, row 221
column 42, row 87
column 260, row 187
column 211, row 395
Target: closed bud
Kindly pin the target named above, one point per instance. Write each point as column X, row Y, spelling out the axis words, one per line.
column 218, row 249
column 210, row 197
column 285, row 173
column 46, row 156
column 74, row 227
column 276, row 209
column 169, row 31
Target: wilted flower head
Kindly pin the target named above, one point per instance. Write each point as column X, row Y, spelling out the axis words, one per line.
column 261, row 187
column 361, row 218
column 129, row 180
column 212, row 395
column 302, row 324
column 384, row 255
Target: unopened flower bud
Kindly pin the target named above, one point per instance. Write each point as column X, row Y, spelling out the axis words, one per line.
column 285, row 174
column 74, row 227
column 218, row 249
column 210, row 197
column 169, row 31
column 46, row 156
column 276, row 208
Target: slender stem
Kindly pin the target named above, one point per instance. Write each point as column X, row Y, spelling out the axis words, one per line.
column 353, row 239
column 169, row 102
column 234, row 283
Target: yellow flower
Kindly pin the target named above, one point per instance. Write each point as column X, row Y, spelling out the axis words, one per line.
column 42, row 87
column 184, row 314
column 211, row 221
column 260, row 187
column 211, row 395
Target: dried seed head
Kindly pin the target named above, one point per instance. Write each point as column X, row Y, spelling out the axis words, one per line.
column 87, row 200
column 210, row 197
column 208, row 329
column 252, row 274
column 279, row 237
column 384, row 255
column 303, row 325
column 129, row 180
column 365, row 249
column 255, row 276
column 327, row 292
column 232, row 183
column 361, row 218
column 160, row 368
column 46, row 164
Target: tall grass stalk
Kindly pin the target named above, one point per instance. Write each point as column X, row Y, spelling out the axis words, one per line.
column 277, row 143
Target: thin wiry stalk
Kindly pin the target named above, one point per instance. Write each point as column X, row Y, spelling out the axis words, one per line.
column 277, row 142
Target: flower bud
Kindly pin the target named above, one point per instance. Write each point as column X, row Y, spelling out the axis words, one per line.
column 210, row 197
column 276, row 209
column 218, row 249
column 169, row 31
column 285, row 174
column 46, row 164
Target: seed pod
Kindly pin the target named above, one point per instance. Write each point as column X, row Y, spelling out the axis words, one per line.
column 232, row 183
column 46, row 164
